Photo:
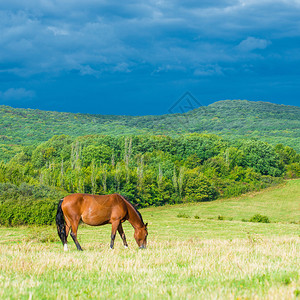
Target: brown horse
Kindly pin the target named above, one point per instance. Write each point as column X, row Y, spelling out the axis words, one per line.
column 98, row 210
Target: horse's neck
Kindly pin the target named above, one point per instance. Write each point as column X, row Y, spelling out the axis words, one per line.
column 133, row 217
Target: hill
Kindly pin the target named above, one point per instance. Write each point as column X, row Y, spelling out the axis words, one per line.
column 230, row 118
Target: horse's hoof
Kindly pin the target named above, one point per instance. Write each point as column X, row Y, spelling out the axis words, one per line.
column 65, row 247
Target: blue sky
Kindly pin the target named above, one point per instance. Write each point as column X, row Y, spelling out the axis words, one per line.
column 139, row 58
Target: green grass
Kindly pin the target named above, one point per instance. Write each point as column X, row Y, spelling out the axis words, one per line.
column 210, row 257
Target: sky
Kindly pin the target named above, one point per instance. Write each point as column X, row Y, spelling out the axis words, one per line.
column 141, row 57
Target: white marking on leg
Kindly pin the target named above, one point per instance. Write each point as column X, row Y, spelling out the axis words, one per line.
column 125, row 246
column 65, row 247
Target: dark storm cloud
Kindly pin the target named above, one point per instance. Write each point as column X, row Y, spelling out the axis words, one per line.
column 195, row 38
column 50, row 36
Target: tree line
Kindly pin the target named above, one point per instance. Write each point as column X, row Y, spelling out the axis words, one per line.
column 149, row 170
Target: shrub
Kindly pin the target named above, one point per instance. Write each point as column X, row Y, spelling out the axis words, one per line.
column 297, row 293
column 183, row 215
column 293, row 170
column 24, row 191
column 38, row 212
column 259, row 219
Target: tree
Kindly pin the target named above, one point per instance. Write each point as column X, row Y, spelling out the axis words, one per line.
column 99, row 153
column 198, row 187
column 262, row 157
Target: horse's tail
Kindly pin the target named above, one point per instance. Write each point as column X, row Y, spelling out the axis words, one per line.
column 60, row 223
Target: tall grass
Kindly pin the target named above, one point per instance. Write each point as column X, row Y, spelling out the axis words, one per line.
column 195, row 268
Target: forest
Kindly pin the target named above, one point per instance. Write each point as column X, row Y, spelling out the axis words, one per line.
column 150, row 170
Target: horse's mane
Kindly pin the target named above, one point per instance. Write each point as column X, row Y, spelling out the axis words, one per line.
column 139, row 214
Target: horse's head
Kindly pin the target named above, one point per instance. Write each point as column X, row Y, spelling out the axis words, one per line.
column 140, row 235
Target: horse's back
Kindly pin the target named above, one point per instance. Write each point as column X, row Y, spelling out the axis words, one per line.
column 95, row 209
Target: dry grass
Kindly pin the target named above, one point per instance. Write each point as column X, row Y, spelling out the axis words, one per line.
column 208, row 269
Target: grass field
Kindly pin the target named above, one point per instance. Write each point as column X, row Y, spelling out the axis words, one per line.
column 213, row 256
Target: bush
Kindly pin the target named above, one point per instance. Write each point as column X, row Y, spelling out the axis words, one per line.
column 259, row 219
column 293, row 170
column 37, row 212
column 28, row 204
column 183, row 215
column 24, row 192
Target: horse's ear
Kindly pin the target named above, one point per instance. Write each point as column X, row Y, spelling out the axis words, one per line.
column 146, row 225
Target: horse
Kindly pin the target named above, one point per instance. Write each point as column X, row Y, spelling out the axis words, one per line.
column 96, row 210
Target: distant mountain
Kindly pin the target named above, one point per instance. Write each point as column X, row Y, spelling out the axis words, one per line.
column 230, row 118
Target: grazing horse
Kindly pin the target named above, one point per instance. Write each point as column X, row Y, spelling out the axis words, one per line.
column 98, row 210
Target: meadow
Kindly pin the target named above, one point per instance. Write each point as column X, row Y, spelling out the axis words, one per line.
column 206, row 250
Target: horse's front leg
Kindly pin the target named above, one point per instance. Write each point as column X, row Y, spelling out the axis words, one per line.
column 122, row 234
column 114, row 227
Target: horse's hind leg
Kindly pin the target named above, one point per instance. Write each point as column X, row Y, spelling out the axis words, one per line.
column 122, row 234
column 73, row 234
column 67, row 233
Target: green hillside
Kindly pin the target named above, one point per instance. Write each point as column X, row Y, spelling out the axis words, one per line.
column 233, row 119
column 271, row 202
